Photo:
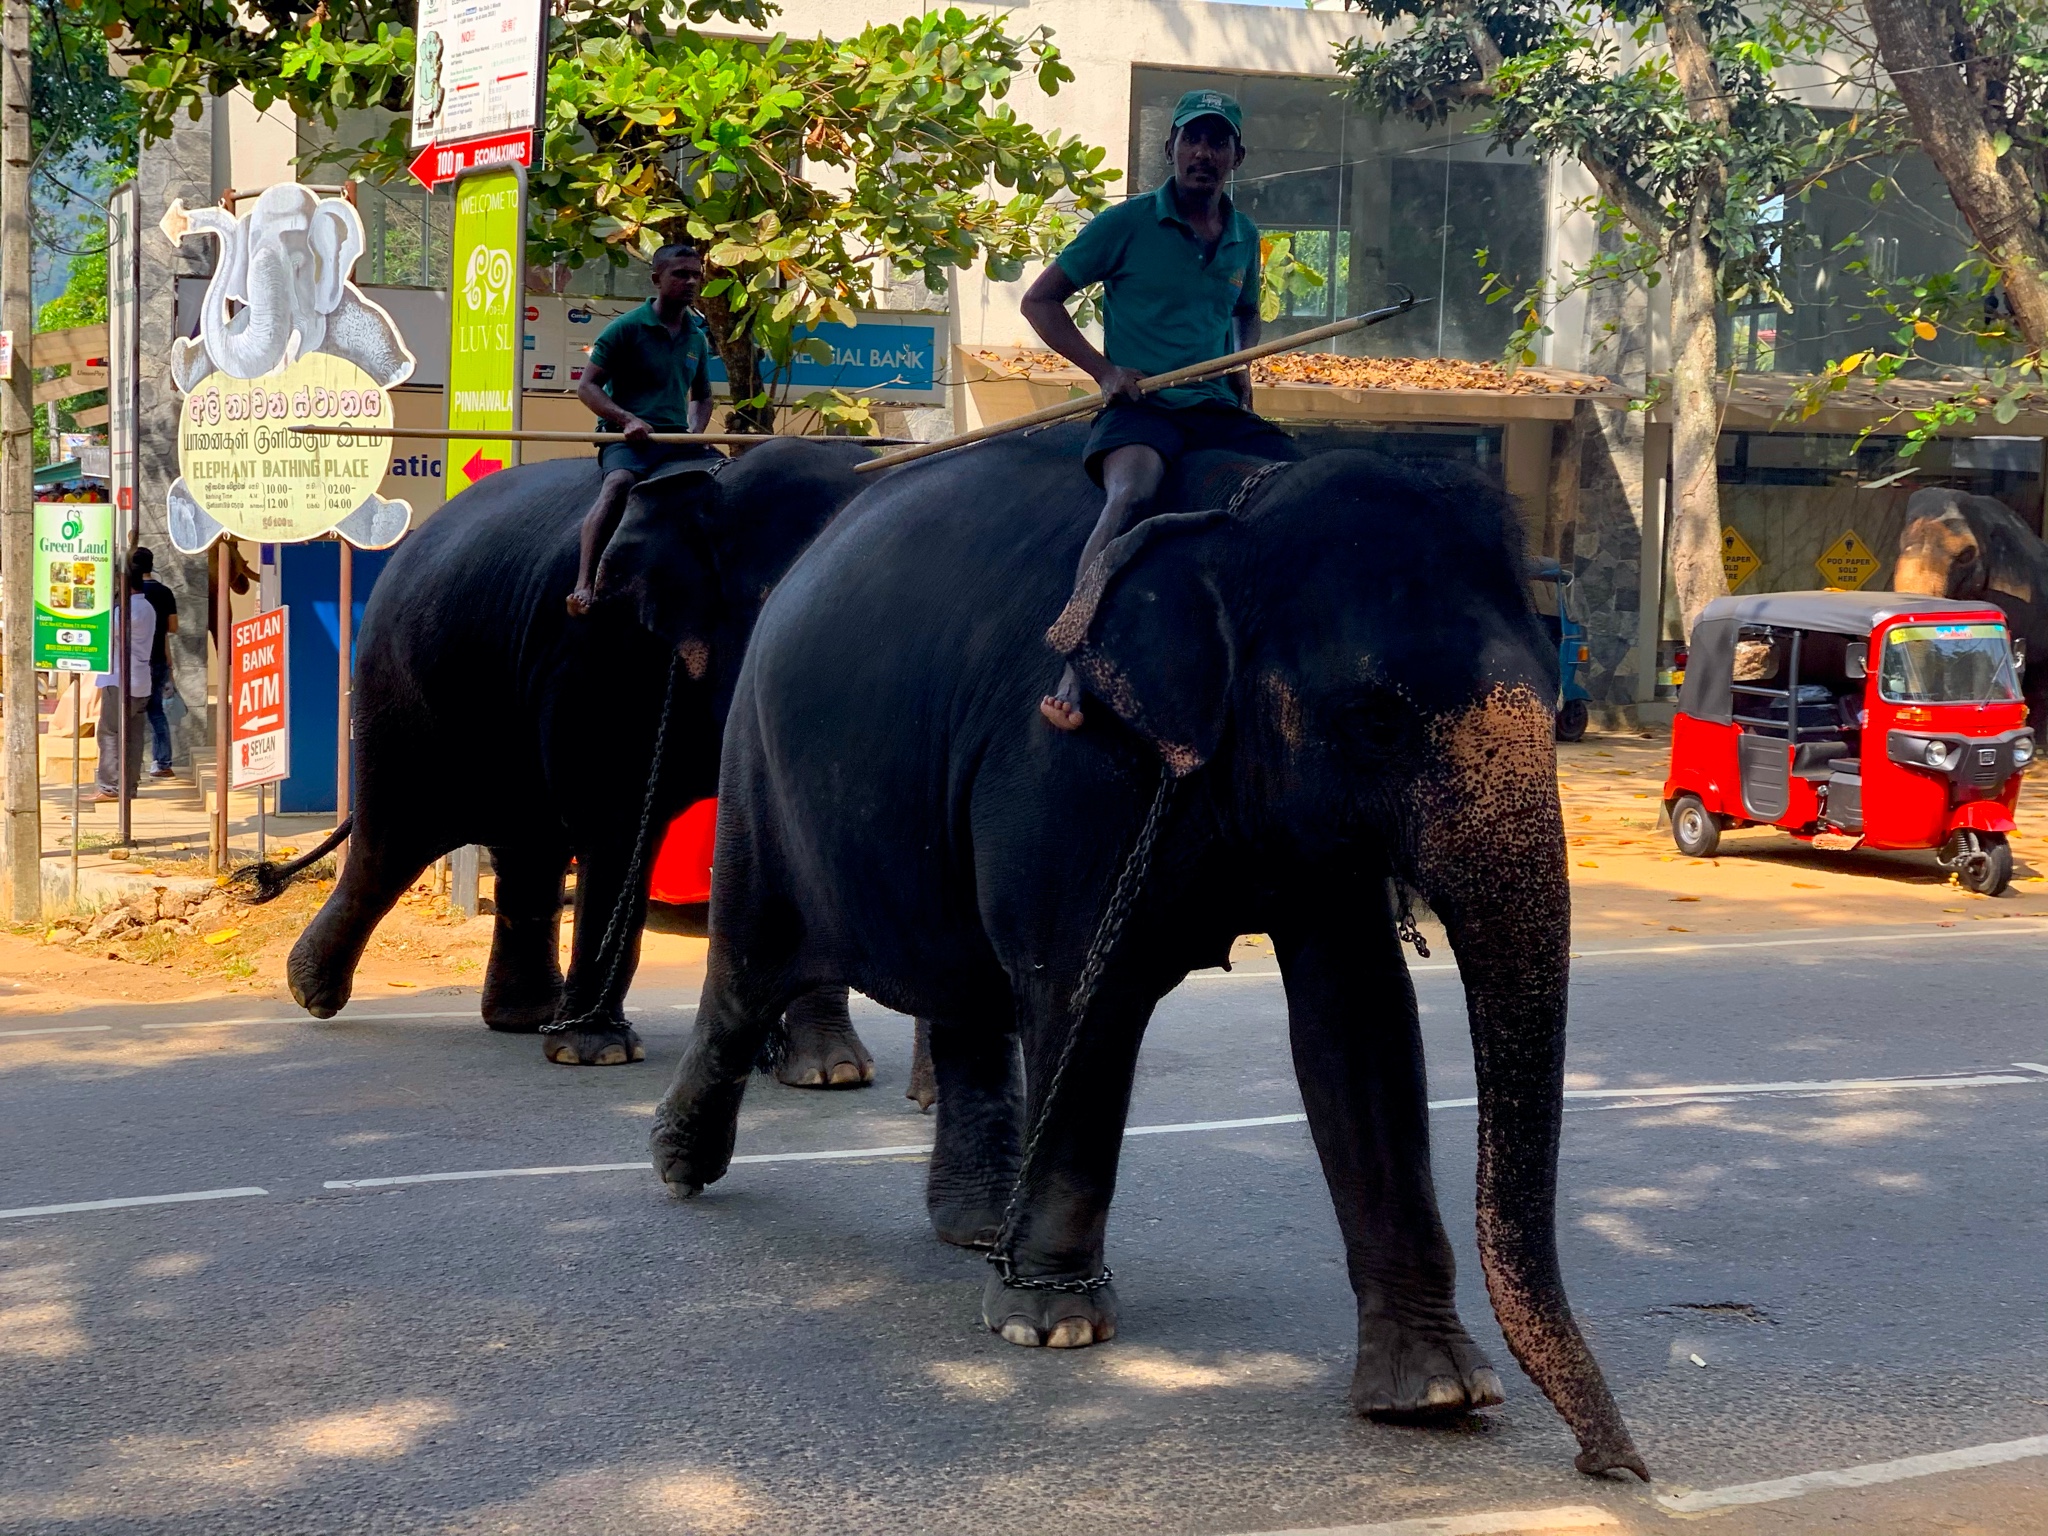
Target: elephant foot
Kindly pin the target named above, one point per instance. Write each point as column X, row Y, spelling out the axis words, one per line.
column 521, row 1018
column 694, row 1132
column 1053, row 1319
column 823, row 1056
column 1405, row 1372
column 966, row 1223
column 593, row 1048
column 320, row 994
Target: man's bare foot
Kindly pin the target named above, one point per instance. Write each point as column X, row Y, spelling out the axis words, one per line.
column 579, row 602
column 1063, row 707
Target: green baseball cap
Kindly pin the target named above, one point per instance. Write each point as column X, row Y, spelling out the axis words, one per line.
column 1209, row 104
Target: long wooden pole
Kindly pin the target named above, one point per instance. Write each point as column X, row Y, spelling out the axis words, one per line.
column 23, row 794
column 443, row 435
column 344, row 723
column 1085, row 404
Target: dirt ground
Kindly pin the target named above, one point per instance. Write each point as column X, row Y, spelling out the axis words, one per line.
column 1628, row 883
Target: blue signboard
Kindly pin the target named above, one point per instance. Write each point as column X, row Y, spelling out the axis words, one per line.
column 889, row 359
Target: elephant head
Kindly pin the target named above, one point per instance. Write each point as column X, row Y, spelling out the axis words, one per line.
column 285, row 262
column 1354, row 662
column 1958, row 545
column 700, row 547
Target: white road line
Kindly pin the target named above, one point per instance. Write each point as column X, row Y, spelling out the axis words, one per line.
column 1184, row 1127
column 1854, row 1477
column 301, row 1018
column 204, row 1023
column 2032, row 1066
column 112, row 1205
column 67, row 1029
column 1501, row 1522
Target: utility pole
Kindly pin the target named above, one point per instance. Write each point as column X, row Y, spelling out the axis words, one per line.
column 24, row 827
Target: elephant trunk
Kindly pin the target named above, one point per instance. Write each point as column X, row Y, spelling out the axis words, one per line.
column 1489, row 856
column 253, row 342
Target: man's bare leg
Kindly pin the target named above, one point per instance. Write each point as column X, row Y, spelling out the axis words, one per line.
column 1130, row 476
column 599, row 524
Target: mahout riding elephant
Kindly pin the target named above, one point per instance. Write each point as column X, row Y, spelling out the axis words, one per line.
column 1342, row 673
column 485, row 714
column 1958, row 545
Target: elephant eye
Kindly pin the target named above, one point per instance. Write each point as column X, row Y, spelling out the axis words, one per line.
column 1375, row 727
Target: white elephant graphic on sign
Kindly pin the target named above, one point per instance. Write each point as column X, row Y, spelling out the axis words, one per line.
column 281, row 291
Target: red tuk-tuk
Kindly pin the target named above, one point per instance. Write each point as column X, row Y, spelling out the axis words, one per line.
column 1885, row 719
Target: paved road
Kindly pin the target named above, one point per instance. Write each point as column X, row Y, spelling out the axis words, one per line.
column 1861, row 1270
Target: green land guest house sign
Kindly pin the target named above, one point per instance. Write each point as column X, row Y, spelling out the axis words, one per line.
column 488, row 325
column 74, row 585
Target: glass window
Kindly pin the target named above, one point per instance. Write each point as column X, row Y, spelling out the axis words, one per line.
column 1366, row 203
column 1948, row 664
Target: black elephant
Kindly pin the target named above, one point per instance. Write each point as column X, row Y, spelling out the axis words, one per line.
column 1958, row 545
column 1343, row 674
column 485, row 714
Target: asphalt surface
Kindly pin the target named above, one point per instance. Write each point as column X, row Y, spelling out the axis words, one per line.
column 1778, row 1280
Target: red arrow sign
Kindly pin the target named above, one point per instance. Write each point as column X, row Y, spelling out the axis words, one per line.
column 479, row 466
column 444, row 162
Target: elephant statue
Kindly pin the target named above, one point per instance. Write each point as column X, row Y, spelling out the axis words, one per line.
column 485, row 714
column 1958, row 545
column 286, row 263
column 1343, row 676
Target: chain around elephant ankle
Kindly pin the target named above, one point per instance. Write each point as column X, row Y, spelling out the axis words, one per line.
column 1012, row 1281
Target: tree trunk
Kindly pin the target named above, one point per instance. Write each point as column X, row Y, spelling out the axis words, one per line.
column 1991, row 192
column 742, row 359
column 1696, row 568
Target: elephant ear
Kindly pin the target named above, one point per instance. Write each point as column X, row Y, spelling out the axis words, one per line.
column 335, row 234
column 1150, row 633
column 661, row 561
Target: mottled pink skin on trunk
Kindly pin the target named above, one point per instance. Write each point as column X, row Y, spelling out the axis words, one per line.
column 1491, row 859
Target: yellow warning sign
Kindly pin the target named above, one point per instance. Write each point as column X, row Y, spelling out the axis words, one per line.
column 1847, row 563
column 1737, row 559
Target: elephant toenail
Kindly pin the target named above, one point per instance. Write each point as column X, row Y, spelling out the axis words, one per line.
column 683, row 1189
column 1486, row 1389
column 639, row 1052
column 1017, row 1331
column 1070, row 1333
column 845, row 1074
column 1443, row 1392
column 612, row 1056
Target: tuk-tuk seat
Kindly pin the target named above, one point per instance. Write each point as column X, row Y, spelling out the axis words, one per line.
column 1819, row 760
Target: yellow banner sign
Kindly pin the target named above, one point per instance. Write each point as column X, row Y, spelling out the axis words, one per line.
column 1847, row 563
column 1738, row 561
column 257, row 477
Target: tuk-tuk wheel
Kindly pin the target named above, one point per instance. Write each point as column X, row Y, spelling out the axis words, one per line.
column 1694, row 827
column 1987, row 869
column 1571, row 720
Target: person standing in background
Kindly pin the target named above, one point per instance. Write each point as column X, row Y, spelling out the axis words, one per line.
column 142, row 578
column 141, row 633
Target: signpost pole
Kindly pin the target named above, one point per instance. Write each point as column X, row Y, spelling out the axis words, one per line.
column 224, row 663
column 24, row 841
column 344, row 688
column 77, row 725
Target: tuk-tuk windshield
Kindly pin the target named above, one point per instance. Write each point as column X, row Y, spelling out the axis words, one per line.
column 1948, row 664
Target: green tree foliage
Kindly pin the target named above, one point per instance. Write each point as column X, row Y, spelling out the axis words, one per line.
column 808, row 169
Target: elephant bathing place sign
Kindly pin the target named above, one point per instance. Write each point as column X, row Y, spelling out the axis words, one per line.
column 286, row 340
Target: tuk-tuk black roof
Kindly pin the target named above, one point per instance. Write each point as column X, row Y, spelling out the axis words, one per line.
column 1708, row 691
column 1835, row 613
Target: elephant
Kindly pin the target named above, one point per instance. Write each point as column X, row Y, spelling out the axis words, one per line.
column 485, row 714
column 1341, row 678
column 1958, row 545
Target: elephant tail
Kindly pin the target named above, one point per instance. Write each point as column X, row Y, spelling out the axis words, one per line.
column 271, row 878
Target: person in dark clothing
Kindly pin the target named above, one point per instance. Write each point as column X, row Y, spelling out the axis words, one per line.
column 1179, row 268
column 142, row 579
column 649, row 372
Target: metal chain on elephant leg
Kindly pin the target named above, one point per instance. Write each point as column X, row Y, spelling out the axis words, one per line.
column 1405, row 926
column 1123, row 897
column 616, row 941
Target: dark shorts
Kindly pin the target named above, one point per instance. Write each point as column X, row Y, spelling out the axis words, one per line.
column 1172, row 430
column 643, row 459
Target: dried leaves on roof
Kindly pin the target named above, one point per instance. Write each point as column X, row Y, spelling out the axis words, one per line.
column 1343, row 372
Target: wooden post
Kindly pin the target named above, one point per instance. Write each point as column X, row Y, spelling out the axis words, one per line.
column 344, row 687
column 463, row 869
column 224, row 653
column 23, row 796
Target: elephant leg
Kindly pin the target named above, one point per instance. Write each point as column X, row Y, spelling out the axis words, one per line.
column 1063, row 1212
column 819, row 1047
column 924, row 1082
column 980, row 1076
column 1358, row 1058
column 594, row 993
column 523, row 982
column 381, row 865
column 698, row 1119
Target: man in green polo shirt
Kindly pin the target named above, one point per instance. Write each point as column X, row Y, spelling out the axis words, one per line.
column 1179, row 268
column 650, row 371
